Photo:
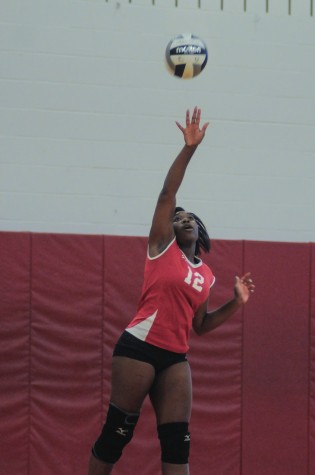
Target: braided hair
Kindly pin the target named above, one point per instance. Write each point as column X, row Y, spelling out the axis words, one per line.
column 203, row 242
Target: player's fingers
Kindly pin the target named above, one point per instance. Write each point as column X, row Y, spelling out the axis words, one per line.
column 179, row 126
column 194, row 116
column 204, row 127
column 187, row 117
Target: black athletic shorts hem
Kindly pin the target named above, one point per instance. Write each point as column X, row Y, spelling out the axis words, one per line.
column 132, row 347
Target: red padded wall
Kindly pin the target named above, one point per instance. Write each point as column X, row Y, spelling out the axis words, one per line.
column 64, row 299
column 14, row 352
column 66, row 320
column 216, row 363
column 276, row 361
column 312, row 368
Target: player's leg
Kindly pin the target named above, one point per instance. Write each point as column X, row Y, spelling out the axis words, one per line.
column 171, row 397
column 131, row 382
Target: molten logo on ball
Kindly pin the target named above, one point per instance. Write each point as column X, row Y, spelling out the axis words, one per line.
column 191, row 49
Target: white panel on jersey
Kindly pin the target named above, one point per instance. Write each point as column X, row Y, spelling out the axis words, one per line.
column 142, row 329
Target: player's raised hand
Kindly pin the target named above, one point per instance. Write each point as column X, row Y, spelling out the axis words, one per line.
column 193, row 135
column 244, row 287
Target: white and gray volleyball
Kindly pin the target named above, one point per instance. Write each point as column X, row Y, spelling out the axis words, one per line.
column 186, row 56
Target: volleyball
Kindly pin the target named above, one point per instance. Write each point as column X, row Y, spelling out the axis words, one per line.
column 186, row 56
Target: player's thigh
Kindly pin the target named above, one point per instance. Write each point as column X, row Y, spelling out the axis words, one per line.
column 171, row 394
column 131, row 382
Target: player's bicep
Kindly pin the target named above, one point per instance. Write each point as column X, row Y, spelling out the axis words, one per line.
column 162, row 230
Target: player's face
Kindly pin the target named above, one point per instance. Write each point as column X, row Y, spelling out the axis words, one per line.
column 185, row 226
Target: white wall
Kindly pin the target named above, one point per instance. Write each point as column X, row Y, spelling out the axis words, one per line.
column 88, row 110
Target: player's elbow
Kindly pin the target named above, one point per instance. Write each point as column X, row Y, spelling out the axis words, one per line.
column 198, row 326
column 167, row 193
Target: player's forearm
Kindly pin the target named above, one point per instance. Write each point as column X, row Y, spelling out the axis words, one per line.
column 215, row 318
column 177, row 170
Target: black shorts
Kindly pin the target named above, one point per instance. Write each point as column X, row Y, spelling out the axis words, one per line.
column 132, row 347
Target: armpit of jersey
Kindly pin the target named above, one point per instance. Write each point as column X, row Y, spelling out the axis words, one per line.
column 161, row 253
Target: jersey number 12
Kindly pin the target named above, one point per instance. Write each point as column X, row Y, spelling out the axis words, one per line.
column 195, row 279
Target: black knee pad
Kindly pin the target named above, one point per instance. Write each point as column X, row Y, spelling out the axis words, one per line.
column 175, row 442
column 117, row 432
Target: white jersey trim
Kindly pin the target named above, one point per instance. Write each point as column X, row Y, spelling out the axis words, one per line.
column 163, row 252
column 192, row 264
column 141, row 330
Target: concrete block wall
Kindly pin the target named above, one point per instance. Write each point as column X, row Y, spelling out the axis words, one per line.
column 88, row 110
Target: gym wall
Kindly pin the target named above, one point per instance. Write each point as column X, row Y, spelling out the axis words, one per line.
column 88, row 111
column 66, row 298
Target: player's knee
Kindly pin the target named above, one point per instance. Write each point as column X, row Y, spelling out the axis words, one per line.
column 117, row 432
column 175, row 442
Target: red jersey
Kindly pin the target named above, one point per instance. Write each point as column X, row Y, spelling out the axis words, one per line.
column 173, row 290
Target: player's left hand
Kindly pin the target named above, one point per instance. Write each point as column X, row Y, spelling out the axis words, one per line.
column 244, row 287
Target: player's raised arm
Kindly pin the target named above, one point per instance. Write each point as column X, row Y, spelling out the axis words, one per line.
column 162, row 231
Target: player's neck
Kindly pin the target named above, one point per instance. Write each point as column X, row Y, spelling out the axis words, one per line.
column 189, row 252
